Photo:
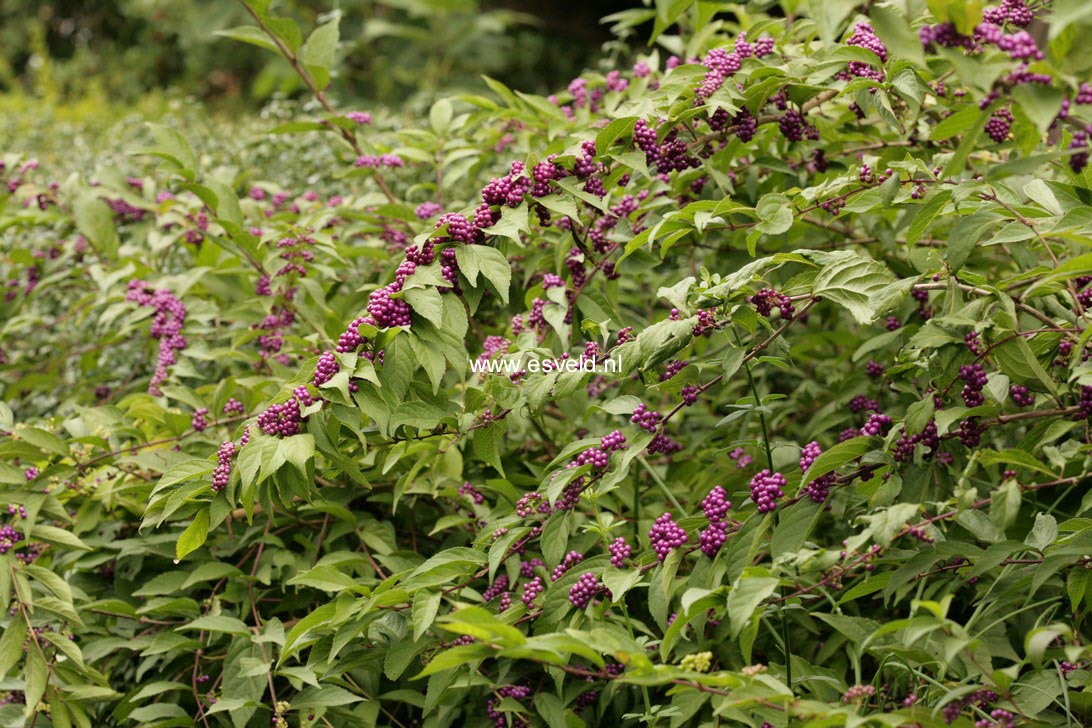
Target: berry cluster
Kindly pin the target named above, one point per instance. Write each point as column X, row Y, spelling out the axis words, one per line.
column 199, row 421
column 672, row 369
column 715, row 505
column 586, row 588
column 861, row 403
column 906, row 444
column 974, row 376
column 233, row 407
column 645, row 418
column 858, row 692
column 498, row 587
column 741, row 458
column 515, row 692
column 281, row 420
column 1021, row 396
column 325, row 368
column 620, row 551
column 819, row 488
column 1084, row 404
column 468, row 490
column 170, row 315
column 865, row 37
column 766, row 489
column 877, row 424
column 531, row 590
column 221, row 476
column 689, row 394
column 571, row 559
column 765, row 300
column 529, row 503
column 981, row 699
column 666, row 536
column 999, row 124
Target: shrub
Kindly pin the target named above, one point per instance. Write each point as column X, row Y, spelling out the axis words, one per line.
column 256, row 471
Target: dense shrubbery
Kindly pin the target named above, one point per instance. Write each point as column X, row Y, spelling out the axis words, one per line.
column 393, row 51
column 252, row 477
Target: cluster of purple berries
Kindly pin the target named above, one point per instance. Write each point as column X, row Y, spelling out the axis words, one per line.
column 666, row 536
column 221, row 475
column 233, row 407
column 620, row 551
column 673, row 368
column 715, row 505
column 530, row 503
column 905, row 446
column 170, row 315
column 516, row 692
column 974, row 376
column 865, row 37
column 1084, row 404
column 325, row 368
column 586, row 588
column 531, row 590
column 858, row 692
column 281, row 420
column 766, row 488
column 571, row 559
column 999, row 124
column 819, row 488
column 471, row 492
column 1021, row 396
column 645, row 418
column 741, row 458
column 765, row 300
column 981, row 699
column 877, row 424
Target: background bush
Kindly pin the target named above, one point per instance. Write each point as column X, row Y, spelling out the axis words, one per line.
column 251, row 477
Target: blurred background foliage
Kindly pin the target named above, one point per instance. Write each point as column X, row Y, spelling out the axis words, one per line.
column 394, row 52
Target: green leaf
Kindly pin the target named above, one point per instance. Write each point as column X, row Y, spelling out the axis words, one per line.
column 37, row 676
column 753, row 587
column 1015, row 457
column 894, row 31
column 957, row 123
column 454, row 657
column 320, row 50
column 487, row 442
column 1044, row 533
column 440, row 116
column 1041, row 103
column 11, row 646
column 925, row 215
column 483, row 625
column 427, row 303
column 490, row 262
column 217, row 623
column 324, row 577
column 794, row 524
column 95, row 221
column 249, row 34
column 850, row 279
column 775, row 213
column 194, row 536
column 51, row 581
column 839, row 455
column 59, row 536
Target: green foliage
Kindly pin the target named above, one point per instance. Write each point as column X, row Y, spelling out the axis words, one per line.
column 256, row 474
